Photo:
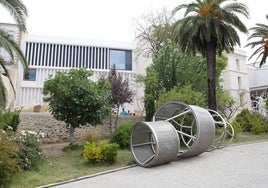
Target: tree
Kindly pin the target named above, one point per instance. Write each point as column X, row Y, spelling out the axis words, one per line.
column 185, row 94
column 76, row 100
column 121, row 93
column 170, row 69
column 209, row 27
column 260, row 32
column 154, row 31
column 19, row 13
column 151, row 92
column 176, row 68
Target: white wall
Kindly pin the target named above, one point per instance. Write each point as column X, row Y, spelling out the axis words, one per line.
column 258, row 77
column 29, row 93
column 235, row 78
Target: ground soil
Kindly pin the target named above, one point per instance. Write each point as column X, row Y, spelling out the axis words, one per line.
column 54, row 149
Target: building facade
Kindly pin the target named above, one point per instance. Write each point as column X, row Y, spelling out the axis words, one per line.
column 258, row 84
column 258, row 80
column 48, row 55
column 235, row 78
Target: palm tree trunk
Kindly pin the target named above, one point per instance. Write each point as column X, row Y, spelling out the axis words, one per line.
column 211, row 74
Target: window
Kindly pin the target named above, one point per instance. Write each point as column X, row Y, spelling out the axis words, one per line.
column 122, row 59
column 30, row 75
column 237, row 64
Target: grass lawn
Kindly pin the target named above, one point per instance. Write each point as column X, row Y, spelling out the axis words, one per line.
column 245, row 137
column 67, row 166
column 71, row 165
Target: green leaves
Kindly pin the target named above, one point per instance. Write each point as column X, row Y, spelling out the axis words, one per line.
column 260, row 34
column 210, row 20
column 17, row 10
column 75, row 99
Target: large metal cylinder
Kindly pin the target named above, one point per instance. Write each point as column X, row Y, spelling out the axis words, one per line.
column 154, row 143
column 195, row 126
column 204, row 134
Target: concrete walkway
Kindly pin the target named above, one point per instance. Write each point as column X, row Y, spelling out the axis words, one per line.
column 234, row 166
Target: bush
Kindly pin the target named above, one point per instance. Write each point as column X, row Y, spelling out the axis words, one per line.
column 18, row 152
column 252, row 122
column 91, row 136
column 100, row 152
column 243, row 119
column 9, row 119
column 71, row 146
column 121, row 136
column 237, row 128
column 9, row 159
column 30, row 151
column 184, row 94
column 258, row 123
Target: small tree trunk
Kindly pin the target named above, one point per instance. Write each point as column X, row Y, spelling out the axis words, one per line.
column 116, row 119
column 71, row 133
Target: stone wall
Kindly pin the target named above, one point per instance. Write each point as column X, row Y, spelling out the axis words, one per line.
column 56, row 131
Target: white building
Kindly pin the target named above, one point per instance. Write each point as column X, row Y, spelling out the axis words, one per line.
column 258, row 80
column 258, row 85
column 235, row 78
column 48, row 55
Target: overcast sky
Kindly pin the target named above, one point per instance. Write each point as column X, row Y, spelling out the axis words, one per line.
column 106, row 19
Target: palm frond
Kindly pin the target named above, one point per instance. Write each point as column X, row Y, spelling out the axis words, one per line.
column 12, row 47
column 17, row 10
column 259, row 51
column 210, row 21
column 2, row 64
column 260, row 34
column 2, row 95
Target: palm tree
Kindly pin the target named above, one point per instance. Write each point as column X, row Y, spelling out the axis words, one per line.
column 260, row 32
column 209, row 27
column 19, row 13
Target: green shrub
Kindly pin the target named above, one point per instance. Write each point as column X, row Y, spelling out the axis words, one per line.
column 237, row 128
column 258, row 123
column 184, row 94
column 30, row 151
column 100, row 152
column 121, row 136
column 18, row 152
column 243, row 119
column 71, row 146
column 252, row 122
column 9, row 119
column 9, row 159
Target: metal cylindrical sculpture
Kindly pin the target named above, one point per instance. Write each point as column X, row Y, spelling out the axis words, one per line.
column 195, row 126
column 154, row 143
column 224, row 131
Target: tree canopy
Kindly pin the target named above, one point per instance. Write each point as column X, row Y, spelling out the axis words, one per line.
column 209, row 27
column 76, row 100
column 260, row 34
column 121, row 92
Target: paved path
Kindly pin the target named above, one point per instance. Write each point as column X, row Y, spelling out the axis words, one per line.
column 244, row 166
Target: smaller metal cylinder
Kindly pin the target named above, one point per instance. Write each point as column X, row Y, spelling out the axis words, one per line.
column 154, row 143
